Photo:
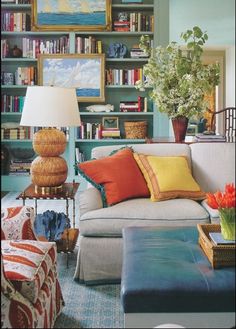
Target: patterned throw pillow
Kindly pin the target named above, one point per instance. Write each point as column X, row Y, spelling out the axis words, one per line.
column 168, row 177
column 118, row 177
column 17, row 223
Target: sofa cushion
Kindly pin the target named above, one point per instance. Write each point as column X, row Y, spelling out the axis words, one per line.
column 141, row 212
column 213, row 165
column 168, row 177
column 118, row 177
column 27, row 264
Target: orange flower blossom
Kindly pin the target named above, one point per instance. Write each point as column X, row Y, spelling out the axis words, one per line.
column 224, row 199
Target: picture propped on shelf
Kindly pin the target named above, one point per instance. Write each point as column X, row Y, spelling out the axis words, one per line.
column 84, row 72
column 71, row 15
column 110, row 127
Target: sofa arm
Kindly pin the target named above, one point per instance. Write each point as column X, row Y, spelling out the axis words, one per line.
column 214, row 213
column 89, row 200
column 17, row 223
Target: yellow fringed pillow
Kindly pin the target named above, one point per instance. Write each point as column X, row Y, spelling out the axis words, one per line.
column 168, row 177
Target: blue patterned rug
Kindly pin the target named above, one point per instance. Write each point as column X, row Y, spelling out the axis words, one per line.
column 85, row 306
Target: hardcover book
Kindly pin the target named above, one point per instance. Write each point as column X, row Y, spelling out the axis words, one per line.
column 217, row 238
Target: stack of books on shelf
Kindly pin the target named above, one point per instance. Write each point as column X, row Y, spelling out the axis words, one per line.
column 10, row 103
column 89, row 130
column 111, row 133
column 124, row 76
column 12, row 131
column 134, row 106
column 201, row 137
column 88, row 45
column 26, row 76
column 20, row 167
column 15, row 21
column 133, row 22
column 79, row 156
column 136, row 52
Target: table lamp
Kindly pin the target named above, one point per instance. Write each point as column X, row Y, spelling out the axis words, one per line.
column 49, row 107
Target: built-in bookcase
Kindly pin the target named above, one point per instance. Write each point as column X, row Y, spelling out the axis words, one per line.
column 68, row 43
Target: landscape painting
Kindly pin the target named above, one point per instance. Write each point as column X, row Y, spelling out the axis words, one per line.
column 83, row 72
column 79, row 15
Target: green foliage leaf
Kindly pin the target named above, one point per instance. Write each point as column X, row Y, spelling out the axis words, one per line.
column 178, row 77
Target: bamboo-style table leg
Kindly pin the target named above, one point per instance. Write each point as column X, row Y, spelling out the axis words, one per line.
column 67, row 232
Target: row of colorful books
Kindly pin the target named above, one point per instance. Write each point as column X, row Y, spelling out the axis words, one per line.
column 31, row 48
column 16, row 133
column 22, row 76
column 135, row 22
column 15, row 21
column 88, row 45
column 95, row 130
column 17, row 2
column 10, row 103
column 124, row 76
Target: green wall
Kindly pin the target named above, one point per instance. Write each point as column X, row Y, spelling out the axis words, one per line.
column 217, row 17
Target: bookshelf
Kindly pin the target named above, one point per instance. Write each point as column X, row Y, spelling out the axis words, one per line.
column 113, row 93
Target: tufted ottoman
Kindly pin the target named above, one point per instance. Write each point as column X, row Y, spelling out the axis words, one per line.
column 166, row 278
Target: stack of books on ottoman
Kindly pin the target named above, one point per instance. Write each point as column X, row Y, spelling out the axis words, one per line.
column 201, row 137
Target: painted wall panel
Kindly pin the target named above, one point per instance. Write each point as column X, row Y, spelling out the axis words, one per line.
column 217, row 17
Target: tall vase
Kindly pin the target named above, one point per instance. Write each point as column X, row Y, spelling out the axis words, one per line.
column 227, row 223
column 180, row 125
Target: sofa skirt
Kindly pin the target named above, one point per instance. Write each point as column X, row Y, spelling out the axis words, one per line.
column 99, row 260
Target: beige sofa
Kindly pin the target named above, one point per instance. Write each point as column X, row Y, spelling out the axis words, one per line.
column 100, row 241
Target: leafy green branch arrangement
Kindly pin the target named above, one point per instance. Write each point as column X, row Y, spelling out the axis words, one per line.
column 177, row 75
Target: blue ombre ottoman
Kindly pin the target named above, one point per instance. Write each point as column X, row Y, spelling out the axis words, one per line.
column 166, row 278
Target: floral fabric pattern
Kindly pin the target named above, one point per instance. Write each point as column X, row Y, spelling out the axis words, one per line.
column 31, row 296
column 27, row 263
column 17, row 223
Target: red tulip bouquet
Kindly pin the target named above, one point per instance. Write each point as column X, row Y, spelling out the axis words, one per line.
column 225, row 202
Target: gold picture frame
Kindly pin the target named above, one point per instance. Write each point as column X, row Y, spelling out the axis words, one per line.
column 84, row 72
column 71, row 15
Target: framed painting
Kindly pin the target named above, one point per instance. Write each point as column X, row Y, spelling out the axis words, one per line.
column 84, row 72
column 71, row 15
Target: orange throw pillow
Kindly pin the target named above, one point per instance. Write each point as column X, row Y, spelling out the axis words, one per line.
column 118, row 177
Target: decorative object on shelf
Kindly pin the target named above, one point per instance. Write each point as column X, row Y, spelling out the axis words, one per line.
column 71, row 15
column 100, row 108
column 178, row 77
column 7, row 78
column 110, row 123
column 135, row 129
column 84, row 72
column 15, row 52
column 225, row 202
column 117, row 50
column 49, row 107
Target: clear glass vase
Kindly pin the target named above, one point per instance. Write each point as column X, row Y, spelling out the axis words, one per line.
column 227, row 223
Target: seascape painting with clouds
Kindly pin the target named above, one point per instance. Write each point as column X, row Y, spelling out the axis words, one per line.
column 85, row 73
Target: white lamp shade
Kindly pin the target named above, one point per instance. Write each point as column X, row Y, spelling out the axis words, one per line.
column 50, row 107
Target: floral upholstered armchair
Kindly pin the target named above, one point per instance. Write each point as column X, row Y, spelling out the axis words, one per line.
column 30, row 292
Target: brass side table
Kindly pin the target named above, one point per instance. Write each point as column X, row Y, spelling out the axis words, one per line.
column 67, row 193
